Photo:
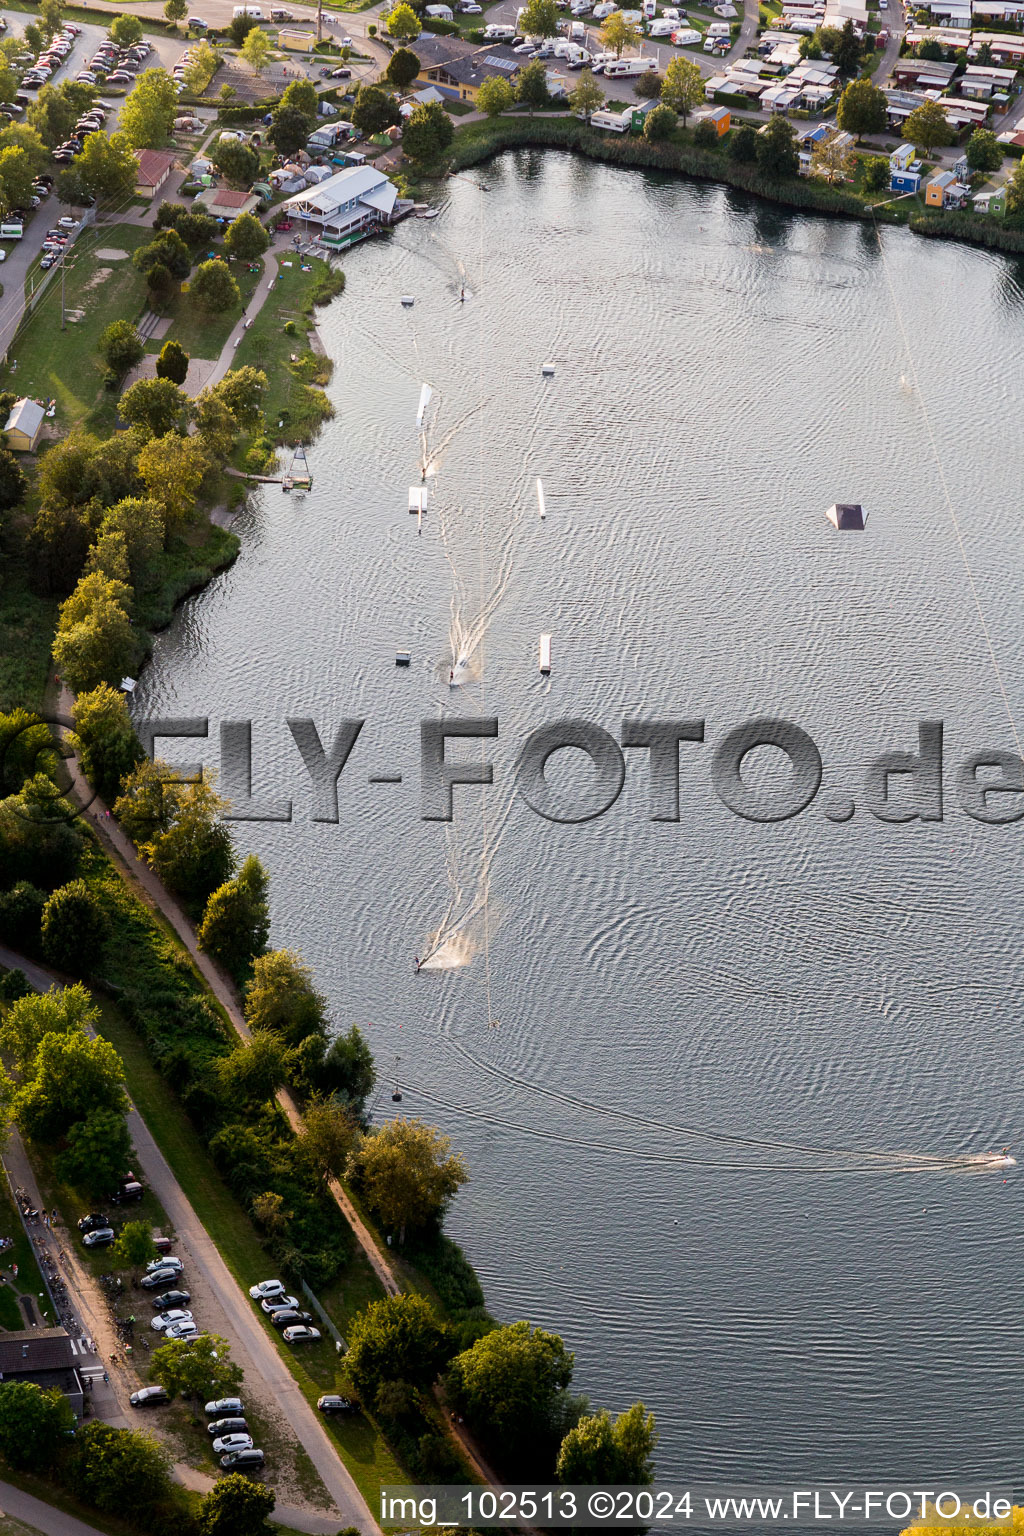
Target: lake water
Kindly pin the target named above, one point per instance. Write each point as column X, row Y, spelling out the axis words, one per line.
column 695, row 1067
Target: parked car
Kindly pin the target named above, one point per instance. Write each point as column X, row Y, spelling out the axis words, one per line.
column 48, row 261
column 278, row 1303
column 166, row 1260
column 237, row 1442
column 188, row 1328
column 332, row 1403
column 343, row 73
column 233, row 1425
column 221, row 1405
column 165, row 1319
column 100, row 1237
column 240, row 1461
column 94, row 1219
column 149, row 1397
column 301, row 1334
column 286, row 1316
column 267, row 1288
column 198, row 24
column 170, row 1299
column 158, row 1278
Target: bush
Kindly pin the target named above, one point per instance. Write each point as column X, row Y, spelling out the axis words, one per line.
column 21, row 915
column 73, row 928
column 705, row 135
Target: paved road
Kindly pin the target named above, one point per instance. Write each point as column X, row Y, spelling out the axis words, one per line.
column 53, row 1522
column 242, row 1320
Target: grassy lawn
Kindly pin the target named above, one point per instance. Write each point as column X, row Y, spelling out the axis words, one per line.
column 65, row 365
column 294, row 407
column 26, row 634
column 204, row 335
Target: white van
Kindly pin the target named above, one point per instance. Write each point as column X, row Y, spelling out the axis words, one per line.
column 248, row 10
column 631, row 67
column 650, row 9
column 577, row 31
column 495, row 33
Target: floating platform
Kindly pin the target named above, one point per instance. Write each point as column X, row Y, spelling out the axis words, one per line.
column 544, row 654
column 418, row 499
column 547, row 370
column 403, row 658
column 407, row 301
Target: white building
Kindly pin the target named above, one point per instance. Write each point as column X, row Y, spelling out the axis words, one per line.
column 349, row 203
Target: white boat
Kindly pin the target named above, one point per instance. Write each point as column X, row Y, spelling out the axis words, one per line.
column 545, row 654
column 418, row 499
column 407, row 301
column 540, row 498
column 548, row 370
column 426, row 394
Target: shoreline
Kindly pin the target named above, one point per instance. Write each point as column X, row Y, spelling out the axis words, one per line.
column 479, row 142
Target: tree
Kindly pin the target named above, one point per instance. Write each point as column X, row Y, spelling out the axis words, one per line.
column 201, row 68
column 511, row 1385
column 683, row 88
column 21, row 136
column 71, row 189
column 176, row 10
column 402, row 24
column 327, row 1137
column 290, row 129
column 428, row 132
column 245, row 237
column 173, row 362
column 240, row 28
column 862, row 108
column 660, row 124
column 16, row 177
column 62, row 1010
column 121, row 346
column 281, row 998
column 104, row 739
column 618, row 33
column 831, row 160
column 97, row 1153
column 118, row 1471
column 984, row 151
column 236, row 921
column 926, row 127
column 12, row 481
column 270, row 1213
column 400, row 1338
column 876, row 173
column 777, row 155
column 254, row 1071
column 106, row 166
column 587, row 96
column 192, row 853
column 256, row 49
column 141, row 523
column 199, row 1368
column 408, row 1174
column 73, row 1076
column 374, row 110
column 348, row 1070
column 161, row 286
column 149, row 110
column 34, row 1425
column 134, row 1247
column 236, row 161
column 74, row 927
column 172, row 469
column 58, row 544
column 403, row 67
column 236, row 1506
column 109, row 556
column 52, row 13
column 647, row 87
column 1015, row 190
column 539, row 18
column 169, row 249
column 598, row 1450
column 302, row 95
column 155, row 404
column 931, row 48
column 57, row 109
column 126, row 31
column 849, row 51
column 532, row 85
column 984, row 55
column 95, row 642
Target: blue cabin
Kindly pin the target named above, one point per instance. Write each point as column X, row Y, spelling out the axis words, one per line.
column 905, row 181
